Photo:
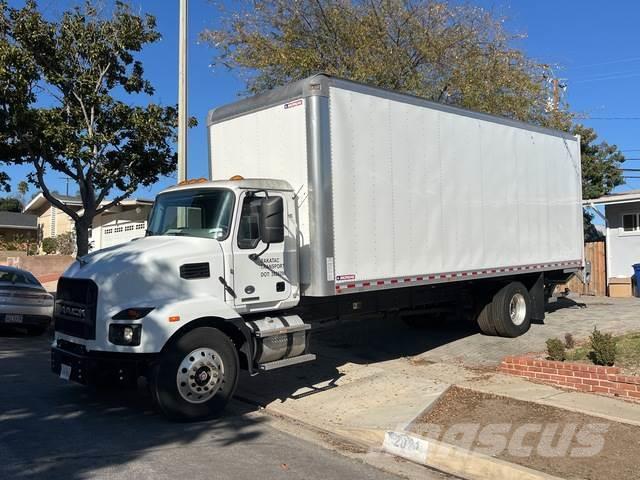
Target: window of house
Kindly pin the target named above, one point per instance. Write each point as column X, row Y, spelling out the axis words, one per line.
column 249, row 227
column 631, row 222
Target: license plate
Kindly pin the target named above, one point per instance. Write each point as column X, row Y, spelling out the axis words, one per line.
column 65, row 371
column 13, row 318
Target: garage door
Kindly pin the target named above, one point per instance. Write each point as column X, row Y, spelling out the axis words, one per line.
column 123, row 232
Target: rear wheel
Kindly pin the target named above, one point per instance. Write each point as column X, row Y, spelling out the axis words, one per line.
column 508, row 314
column 196, row 376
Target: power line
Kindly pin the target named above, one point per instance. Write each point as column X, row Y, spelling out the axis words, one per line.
column 611, row 118
column 609, row 62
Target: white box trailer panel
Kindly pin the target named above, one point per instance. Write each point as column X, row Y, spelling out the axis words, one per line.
column 393, row 189
column 423, row 191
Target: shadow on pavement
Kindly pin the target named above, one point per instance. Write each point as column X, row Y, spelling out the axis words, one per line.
column 53, row 429
column 366, row 342
column 562, row 303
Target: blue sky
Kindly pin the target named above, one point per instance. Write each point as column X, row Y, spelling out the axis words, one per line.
column 595, row 48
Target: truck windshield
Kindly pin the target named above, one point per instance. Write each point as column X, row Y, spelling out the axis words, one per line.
column 195, row 213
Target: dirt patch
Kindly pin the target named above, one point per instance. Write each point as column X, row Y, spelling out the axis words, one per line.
column 548, row 439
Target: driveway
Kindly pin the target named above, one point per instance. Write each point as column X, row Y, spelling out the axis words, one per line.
column 457, row 342
column 51, row 429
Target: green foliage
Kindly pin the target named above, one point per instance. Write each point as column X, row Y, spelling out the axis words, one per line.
column 603, row 348
column 569, row 341
column 601, row 164
column 66, row 243
column 10, row 204
column 556, row 350
column 452, row 53
column 64, row 105
column 49, row 245
column 23, row 188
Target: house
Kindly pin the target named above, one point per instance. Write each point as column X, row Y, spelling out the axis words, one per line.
column 18, row 228
column 124, row 222
column 622, row 234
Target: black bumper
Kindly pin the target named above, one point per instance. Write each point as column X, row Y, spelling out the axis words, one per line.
column 99, row 368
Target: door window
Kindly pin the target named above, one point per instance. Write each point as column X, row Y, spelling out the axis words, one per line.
column 249, row 227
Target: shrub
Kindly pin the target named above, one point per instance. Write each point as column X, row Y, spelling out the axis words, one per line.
column 555, row 350
column 66, row 243
column 49, row 245
column 569, row 341
column 603, row 348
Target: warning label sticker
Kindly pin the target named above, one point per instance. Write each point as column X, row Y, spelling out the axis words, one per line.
column 295, row 103
column 343, row 278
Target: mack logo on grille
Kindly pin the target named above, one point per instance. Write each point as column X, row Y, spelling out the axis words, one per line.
column 69, row 311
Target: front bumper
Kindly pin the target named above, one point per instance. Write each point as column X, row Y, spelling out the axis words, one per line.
column 98, row 368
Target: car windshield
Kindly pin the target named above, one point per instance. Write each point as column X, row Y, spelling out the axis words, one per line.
column 195, row 213
column 18, row 277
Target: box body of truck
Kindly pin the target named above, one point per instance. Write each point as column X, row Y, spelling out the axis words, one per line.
column 396, row 191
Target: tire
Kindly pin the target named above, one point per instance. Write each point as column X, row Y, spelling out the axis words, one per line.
column 511, row 310
column 205, row 353
column 485, row 321
column 36, row 330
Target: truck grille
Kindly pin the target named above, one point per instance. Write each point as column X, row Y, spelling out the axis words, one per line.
column 75, row 309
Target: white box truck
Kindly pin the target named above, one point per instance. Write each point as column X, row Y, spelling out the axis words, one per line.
column 327, row 199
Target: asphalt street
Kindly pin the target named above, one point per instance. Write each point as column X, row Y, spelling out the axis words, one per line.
column 53, row 429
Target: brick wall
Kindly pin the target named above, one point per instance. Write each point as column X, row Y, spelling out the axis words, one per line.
column 574, row 376
column 45, row 267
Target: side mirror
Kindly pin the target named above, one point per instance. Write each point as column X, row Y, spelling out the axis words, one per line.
column 272, row 220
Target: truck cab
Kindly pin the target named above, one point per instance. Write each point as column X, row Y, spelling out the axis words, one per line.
column 188, row 305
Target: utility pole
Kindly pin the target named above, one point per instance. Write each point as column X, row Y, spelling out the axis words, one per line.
column 182, row 94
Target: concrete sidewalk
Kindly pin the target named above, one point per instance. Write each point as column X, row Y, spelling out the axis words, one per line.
column 353, row 399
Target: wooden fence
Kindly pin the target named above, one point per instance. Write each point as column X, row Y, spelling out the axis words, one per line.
column 594, row 252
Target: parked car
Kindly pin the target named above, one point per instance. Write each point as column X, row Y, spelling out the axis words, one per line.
column 23, row 301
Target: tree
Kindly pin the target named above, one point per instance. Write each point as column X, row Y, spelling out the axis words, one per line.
column 66, row 104
column 601, row 172
column 23, row 188
column 456, row 54
column 10, row 204
column 601, row 164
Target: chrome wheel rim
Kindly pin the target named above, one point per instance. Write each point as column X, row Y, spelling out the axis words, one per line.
column 200, row 375
column 517, row 309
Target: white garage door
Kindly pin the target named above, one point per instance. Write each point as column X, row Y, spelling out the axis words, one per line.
column 123, row 232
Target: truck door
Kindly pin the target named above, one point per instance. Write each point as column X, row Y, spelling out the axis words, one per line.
column 259, row 278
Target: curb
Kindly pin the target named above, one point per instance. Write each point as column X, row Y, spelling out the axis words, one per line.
column 455, row 460
column 429, row 453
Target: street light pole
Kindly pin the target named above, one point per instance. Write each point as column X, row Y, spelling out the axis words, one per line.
column 182, row 94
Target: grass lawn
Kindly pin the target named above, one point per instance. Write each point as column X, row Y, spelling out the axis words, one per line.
column 627, row 353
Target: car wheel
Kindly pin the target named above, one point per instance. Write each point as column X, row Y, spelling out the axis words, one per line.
column 196, row 376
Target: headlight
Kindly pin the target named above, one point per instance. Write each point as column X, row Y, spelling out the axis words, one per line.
column 128, row 335
column 132, row 313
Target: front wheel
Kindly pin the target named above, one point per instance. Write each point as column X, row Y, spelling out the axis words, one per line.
column 197, row 375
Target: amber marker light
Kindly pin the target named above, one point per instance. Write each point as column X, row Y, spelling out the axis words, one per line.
column 174, row 318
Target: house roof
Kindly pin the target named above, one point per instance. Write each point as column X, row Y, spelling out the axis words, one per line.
column 630, row 196
column 39, row 202
column 20, row 221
